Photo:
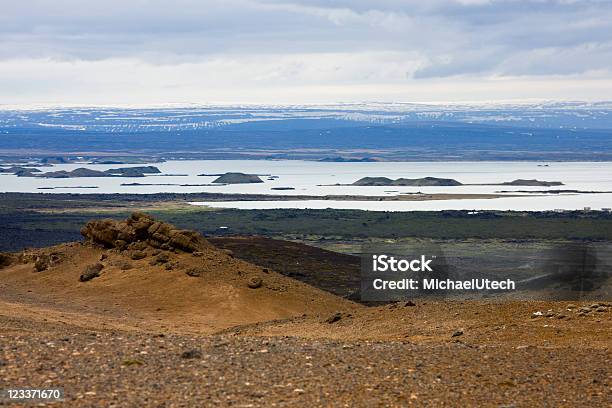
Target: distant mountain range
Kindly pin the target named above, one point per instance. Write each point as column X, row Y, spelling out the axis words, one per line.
column 345, row 132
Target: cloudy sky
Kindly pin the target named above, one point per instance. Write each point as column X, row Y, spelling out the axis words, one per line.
column 148, row 52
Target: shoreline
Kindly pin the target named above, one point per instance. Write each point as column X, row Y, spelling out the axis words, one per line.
column 222, row 197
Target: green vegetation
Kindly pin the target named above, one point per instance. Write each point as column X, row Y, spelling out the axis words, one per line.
column 40, row 220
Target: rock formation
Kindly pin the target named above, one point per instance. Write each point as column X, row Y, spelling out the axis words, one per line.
column 140, row 231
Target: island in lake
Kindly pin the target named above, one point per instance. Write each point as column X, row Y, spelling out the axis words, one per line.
column 83, row 172
column 532, row 183
column 237, row 178
column 425, row 181
column 20, row 171
column 341, row 159
column 437, row 182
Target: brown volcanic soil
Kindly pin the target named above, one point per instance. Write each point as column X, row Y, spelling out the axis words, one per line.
column 331, row 271
column 511, row 323
column 121, row 339
column 151, row 297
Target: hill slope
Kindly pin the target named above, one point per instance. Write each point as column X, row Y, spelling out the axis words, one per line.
column 139, row 286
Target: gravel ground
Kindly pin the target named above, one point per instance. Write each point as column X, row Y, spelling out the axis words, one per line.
column 122, row 369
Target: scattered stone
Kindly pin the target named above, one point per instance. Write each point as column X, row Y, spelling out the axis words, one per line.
column 536, row 314
column 457, row 333
column 195, row 272
column 601, row 309
column 198, row 254
column 5, row 260
column 55, row 258
column 550, row 314
column 132, row 362
column 334, row 318
column 42, row 263
column 255, row 283
column 191, row 354
column 136, row 255
column 26, row 257
column 103, row 257
column 92, row 271
column 160, row 259
column 124, row 265
column 585, row 309
column 120, row 244
column 571, row 306
column 138, row 246
column 409, row 303
column 594, row 305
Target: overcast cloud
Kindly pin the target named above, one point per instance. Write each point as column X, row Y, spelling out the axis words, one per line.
column 267, row 51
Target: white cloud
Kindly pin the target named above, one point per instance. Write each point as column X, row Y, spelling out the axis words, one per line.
column 263, row 50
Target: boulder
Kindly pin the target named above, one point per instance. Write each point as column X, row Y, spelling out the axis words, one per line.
column 26, row 257
column 185, row 241
column 42, row 263
column 92, row 271
column 136, row 255
column 6, row 260
column 138, row 246
column 120, row 244
column 255, row 283
column 160, row 238
column 160, row 259
column 124, row 265
column 195, row 272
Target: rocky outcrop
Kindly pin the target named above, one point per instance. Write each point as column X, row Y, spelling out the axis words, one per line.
column 141, row 231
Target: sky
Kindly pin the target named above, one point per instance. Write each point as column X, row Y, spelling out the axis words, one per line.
column 155, row 52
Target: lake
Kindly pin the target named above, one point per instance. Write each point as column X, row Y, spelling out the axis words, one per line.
column 306, row 177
